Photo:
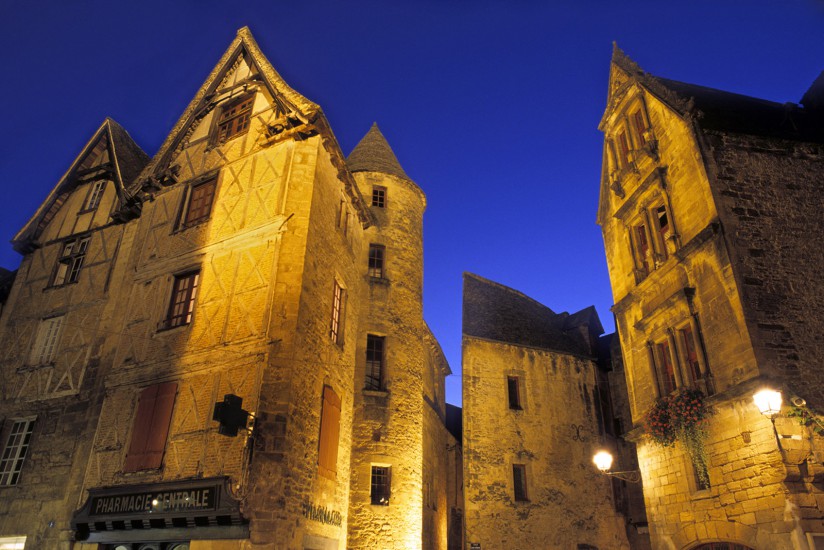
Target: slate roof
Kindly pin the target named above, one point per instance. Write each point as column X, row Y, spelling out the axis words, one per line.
column 495, row 312
column 730, row 112
column 373, row 154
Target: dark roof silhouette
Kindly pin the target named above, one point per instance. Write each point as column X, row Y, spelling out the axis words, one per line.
column 6, row 282
column 373, row 154
column 454, row 421
column 736, row 113
column 495, row 312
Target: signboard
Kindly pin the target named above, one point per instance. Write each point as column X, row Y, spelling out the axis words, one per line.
column 474, row 546
column 190, row 499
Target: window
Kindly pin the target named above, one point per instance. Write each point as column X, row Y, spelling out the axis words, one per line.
column 199, row 202
column 343, row 217
column 643, row 252
column 338, row 305
column 234, row 119
column 514, row 392
column 70, row 261
column 329, row 434
column 378, row 196
column 692, row 366
column 374, row 362
column 381, row 485
column 664, row 367
column 182, row 304
column 15, row 452
column 519, row 482
column 151, row 427
column 623, row 149
column 640, row 126
column 45, row 343
column 663, row 228
column 376, row 256
column 95, row 194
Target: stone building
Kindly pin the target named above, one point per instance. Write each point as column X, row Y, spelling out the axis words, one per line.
column 710, row 207
column 536, row 407
column 198, row 352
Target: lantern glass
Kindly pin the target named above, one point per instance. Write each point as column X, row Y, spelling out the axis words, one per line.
column 603, row 460
column 768, row 402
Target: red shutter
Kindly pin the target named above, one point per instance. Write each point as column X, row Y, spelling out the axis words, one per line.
column 151, row 427
column 329, row 433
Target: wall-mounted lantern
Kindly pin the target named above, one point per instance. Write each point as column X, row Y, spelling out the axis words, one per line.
column 768, row 402
column 603, row 461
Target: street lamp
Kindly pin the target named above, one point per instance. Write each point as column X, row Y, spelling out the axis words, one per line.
column 768, row 402
column 603, row 461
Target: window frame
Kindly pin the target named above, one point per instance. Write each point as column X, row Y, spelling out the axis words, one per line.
column 207, row 184
column 376, row 263
column 513, row 392
column 520, row 488
column 17, row 444
column 379, row 196
column 375, row 365
column 94, row 196
column 70, row 262
column 380, row 485
column 665, row 367
column 338, row 313
column 228, row 124
column 189, row 295
column 47, row 340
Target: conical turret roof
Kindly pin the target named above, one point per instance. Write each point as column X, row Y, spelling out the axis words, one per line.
column 373, row 154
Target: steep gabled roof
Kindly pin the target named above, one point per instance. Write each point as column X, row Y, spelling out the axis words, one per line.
column 495, row 312
column 726, row 111
column 373, row 154
column 243, row 45
column 126, row 160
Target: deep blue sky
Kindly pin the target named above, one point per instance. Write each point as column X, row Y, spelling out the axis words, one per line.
column 492, row 107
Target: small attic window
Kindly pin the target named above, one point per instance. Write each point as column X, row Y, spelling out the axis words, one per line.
column 234, row 118
column 94, row 196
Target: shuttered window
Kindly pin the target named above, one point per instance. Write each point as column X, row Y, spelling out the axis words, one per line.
column 329, row 434
column 151, row 427
column 666, row 371
column 45, row 344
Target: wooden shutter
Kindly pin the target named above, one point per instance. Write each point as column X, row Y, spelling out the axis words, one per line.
column 151, row 427
column 329, row 434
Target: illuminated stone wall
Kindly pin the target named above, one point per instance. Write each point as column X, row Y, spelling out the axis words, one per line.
column 61, row 395
column 401, row 425
column 735, row 261
column 551, row 431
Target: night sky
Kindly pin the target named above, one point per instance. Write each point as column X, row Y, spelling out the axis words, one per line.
column 492, row 107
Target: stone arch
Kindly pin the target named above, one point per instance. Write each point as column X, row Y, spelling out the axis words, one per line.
column 721, row 546
column 736, row 535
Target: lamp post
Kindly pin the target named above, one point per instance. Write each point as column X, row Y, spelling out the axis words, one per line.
column 603, row 461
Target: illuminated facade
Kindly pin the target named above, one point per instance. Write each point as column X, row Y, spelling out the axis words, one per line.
column 536, row 408
column 709, row 203
column 248, row 265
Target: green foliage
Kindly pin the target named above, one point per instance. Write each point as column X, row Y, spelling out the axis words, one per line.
column 807, row 418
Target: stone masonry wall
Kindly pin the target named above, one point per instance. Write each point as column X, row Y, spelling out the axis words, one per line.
column 554, row 436
column 771, row 198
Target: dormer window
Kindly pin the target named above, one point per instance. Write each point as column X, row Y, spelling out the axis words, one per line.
column 234, row 119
